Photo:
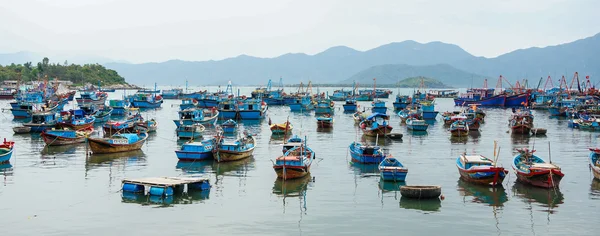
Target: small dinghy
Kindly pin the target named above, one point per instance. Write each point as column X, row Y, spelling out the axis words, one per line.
column 118, row 143
column 21, row 129
column 391, row 169
column 58, row 137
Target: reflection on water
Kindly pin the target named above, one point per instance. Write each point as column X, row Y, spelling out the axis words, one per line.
column 127, row 158
column 459, row 140
column 195, row 167
column 234, row 168
column 475, row 135
column 417, row 133
column 520, row 138
column 426, row 205
column 325, row 130
column 291, row 187
column 381, row 141
column 64, row 149
column 483, row 194
column 365, row 170
column 595, row 189
column 182, row 198
column 6, row 169
column 389, row 186
column 549, row 198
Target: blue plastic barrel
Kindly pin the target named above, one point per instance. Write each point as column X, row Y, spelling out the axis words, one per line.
column 161, row 191
column 205, row 185
column 136, row 188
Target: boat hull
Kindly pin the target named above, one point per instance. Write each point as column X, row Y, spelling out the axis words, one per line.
column 54, row 140
column 494, row 101
column 430, row 115
column 227, row 114
column 543, row 179
column 366, row 159
column 382, row 110
column 20, row 113
column 594, row 165
column 324, row 124
column 393, row 174
column 291, row 172
column 459, row 132
column 146, row 104
column 379, row 131
column 87, row 101
column 207, row 103
column 224, row 156
column 251, row 115
column 518, row 100
column 100, row 147
column 301, row 107
column 194, row 156
column 491, row 176
column 5, row 157
column 37, row 128
column 521, row 129
column 400, row 105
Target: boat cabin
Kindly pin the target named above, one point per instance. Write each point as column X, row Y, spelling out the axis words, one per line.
column 469, row 161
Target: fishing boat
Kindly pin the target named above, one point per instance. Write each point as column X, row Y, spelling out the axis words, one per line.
column 234, row 150
column 521, row 122
column 402, row 102
column 190, row 131
column 376, row 125
column 229, row 126
column 359, row 117
column 103, row 114
column 295, row 163
column 391, row 169
column 6, row 150
column 324, row 106
column 7, row 93
column 120, row 107
column 196, row 151
column 280, row 129
column 459, row 128
column 75, row 119
column 366, row 154
column 444, row 93
column 58, row 137
column 533, row 170
column 350, row 105
column 480, row 170
column 147, row 126
column 197, row 116
column 107, row 90
column 415, row 124
column 117, row 143
column 595, row 162
column 41, row 121
column 146, row 100
column 428, row 110
column 481, row 96
column 378, row 106
column 21, row 129
column 91, row 97
column 188, row 103
column 252, row 109
column 325, row 121
column 126, row 126
column 302, row 103
column 340, row 95
column 172, row 93
column 517, row 100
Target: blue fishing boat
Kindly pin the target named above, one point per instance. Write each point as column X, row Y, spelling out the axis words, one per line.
column 340, row 95
column 325, row 121
column 210, row 100
column 252, row 109
column 295, row 163
column 303, row 103
column 483, row 97
column 376, row 125
column 560, row 107
column 238, row 149
column 145, row 100
column 274, row 97
column 196, row 151
column 190, row 131
column 533, row 170
column 75, row 119
column 402, row 102
column 350, row 105
column 117, row 143
column 23, row 110
column 58, row 137
column 378, row 106
column 41, row 121
column 415, row 124
column 365, row 95
column 103, row 114
column 324, row 106
column 188, row 103
column 192, row 116
column 517, row 100
column 91, row 97
column 228, row 109
column 366, row 154
column 390, row 169
column 229, row 126
column 172, row 93
column 120, row 107
column 480, row 170
column 428, row 110
column 6, row 151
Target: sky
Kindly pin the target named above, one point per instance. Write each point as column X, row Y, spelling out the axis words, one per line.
column 141, row 31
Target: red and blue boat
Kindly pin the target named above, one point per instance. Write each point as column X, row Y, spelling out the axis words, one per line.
column 533, row 170
column 6, row 151
column 480, row 170
column 481, row 96
column 295, row 163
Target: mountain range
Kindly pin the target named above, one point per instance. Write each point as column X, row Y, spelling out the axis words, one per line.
column 391, row 62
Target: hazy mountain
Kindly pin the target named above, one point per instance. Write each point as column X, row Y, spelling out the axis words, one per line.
column 25, row 56
column 19, row 57
column 391, row 74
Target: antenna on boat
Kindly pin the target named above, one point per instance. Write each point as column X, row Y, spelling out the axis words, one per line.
column 549, row 155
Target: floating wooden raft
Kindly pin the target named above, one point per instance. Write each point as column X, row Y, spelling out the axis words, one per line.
column 164, row 186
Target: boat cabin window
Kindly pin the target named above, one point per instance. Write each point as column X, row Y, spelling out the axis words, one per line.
column 250, row 107
column 226, row 106
column 370, row 151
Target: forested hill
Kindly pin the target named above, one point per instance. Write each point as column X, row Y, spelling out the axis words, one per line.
column 78, row 74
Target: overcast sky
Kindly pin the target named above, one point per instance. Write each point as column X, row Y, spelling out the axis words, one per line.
column 153, row 30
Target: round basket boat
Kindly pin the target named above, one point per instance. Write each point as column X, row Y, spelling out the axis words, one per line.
column 421, row 192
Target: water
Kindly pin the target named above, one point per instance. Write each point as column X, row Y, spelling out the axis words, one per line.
column 59, row 191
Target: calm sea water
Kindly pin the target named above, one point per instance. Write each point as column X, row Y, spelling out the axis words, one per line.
column 60, row 191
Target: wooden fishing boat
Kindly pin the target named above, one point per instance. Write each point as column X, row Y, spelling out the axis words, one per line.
column 376, row 125
column 325, row 121
column 416, row 124
column 149, row 125
column 190, row 131
column 194, row 115
column 293, row 142
column 103, row 114
column 350, row 105
column 391, row 169
column 532, row 170
column 196, row 151
column 325, row 106
column 421, row 192
column 480, row 170
column 459, row 128
column 229, row 126
column 280, row 129
column 358, row 117
column 75, row 119
column 295, row 163
column 6, row 151
column 366, row 154
column 41, row 121
column 595, row 162
column 21, row 129
column 58, row 137
column 236, row 150
column 117, row 143
column 127, row 126
column 521, row 122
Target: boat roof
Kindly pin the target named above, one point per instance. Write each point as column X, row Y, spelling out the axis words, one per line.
column 378, row 115
column 476, row 159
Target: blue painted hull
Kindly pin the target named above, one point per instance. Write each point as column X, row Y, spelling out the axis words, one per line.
column 389, row 175
column 207, row 103
column 381, row 110
column 194, row 156
column 321, row 110
column 103, row 119
column 400, row 105
column 555, row 111
column 494, row 101
column 251, row 115
column 226, row 115
column 417, row 127
column 517, row 100
column 229, row 129
column 288, row 101
column 274, row 101
column 430, row 115
column 20, row 113
column 6, row 157
column 350, row 108
column 366, row 159
column 300, row 107
column 40, row 128
column 145, row 104
column 186, row 106
column 119, row 111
